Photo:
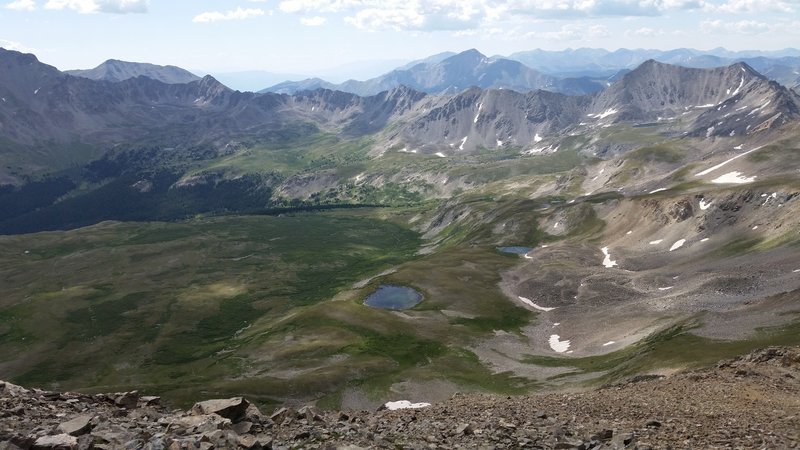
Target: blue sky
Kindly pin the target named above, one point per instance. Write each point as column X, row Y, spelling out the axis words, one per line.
column 309, row 36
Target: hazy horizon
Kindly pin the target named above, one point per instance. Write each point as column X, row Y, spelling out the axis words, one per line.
column 315, row 36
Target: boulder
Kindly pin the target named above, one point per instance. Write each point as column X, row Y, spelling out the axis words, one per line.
column 150, row 400
column 281, row 414
column 78, row 426
column 234, row 409
column 127, row 400
column 56, row 442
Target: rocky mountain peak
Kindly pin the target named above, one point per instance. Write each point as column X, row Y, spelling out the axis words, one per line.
column 116, row 70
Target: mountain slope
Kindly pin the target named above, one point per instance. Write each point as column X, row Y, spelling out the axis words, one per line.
column 487, row 118
column 733, row 100
column 116, row 70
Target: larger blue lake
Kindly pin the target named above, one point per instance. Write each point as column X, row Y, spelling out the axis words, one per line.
column 389, row 296
column 516, row 250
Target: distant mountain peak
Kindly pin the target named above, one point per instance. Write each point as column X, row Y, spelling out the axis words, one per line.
column 116, row 70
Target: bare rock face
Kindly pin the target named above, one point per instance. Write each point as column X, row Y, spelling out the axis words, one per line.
column 681, row 210
column 234, row 409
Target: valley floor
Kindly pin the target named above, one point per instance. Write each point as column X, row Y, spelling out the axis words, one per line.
column 749, row 402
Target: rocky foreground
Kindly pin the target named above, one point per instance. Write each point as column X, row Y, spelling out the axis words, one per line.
column 749, row 402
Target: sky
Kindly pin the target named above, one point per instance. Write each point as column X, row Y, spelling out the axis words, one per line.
column 312, row 36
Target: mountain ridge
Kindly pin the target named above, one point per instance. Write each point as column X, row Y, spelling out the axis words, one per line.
column 116, row 70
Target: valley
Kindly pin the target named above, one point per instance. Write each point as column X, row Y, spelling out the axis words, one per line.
column 223, row 243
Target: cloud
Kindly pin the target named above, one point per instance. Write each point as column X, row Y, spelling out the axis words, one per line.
column 644, row 32
column 753, row 6
column 740, row 27
column 571, row 32
column 463, row 15
column 313, row 21
column 22, row 5
column 420, row 15
column 236, row 14
column 102, row 6
column 323, row 6
column 16, row 46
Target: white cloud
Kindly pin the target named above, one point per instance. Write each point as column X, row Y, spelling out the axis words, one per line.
column 430, row 15
column 644, row 32
column 22, row 5
column 325, row 6
column 463, row 15
column 236, row 14
column 753, row 6
column 16, row 46
column 103, row 6
column 313, row 21
column 740, row 27
column 571, row 32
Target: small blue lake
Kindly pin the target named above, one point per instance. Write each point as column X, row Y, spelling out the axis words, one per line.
column 389, row 296
column 516, row 250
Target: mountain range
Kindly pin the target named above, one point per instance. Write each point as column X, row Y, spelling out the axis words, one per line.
column 196, row 240
column 41, row 104
column 574, row 72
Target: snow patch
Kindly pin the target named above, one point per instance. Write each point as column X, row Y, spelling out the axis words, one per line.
column 537, row 138
column 678, row 244
column 733, row 178
column 478, row 114
column 463, row 141
column 530, row 303
column 604, row 114
column 609, row 343
column 557, row 344
column 704, row 206
column 755, row 227
column 707, row 171
column 658, row 190
column 741, row 83
column 36, row 91
column 499, row 143
column 656, row 242
column 440, row 155
column 607, row 262
column 405, row 404
column 666, row 288
column 629, row 232
column 704, row 240
column 759, row 108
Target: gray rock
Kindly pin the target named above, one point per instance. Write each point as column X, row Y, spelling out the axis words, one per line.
column 150, row 400
column 465, row 429
column 127, row 400
column 12, row 390
column 78, row 426
column 280, row 415
column 56, row 442
column 242, row 427
column 234, row 408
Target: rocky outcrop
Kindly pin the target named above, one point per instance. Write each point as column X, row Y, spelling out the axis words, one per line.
column 749, row 402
